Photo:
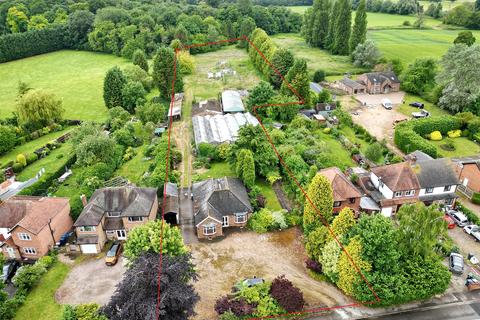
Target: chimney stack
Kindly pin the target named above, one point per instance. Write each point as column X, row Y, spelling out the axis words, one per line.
column 84, row 200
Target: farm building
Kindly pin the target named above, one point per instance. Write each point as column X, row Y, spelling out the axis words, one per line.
column 220, row 128
column 232, row 101
column 175, row 110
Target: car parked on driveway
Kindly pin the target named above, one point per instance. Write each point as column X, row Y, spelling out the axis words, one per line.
column 9, row 269
column 473, row 230
column 64, row 238
column 416, row 104
column 113, row 254
column 458, row 217
column 450, row 222
column 387, row 104
column 455, row 263
column 421, row 114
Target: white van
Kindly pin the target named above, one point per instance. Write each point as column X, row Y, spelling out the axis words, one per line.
column 387, row 104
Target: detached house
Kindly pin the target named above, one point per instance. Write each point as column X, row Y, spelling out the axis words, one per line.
column 111, row 213
column 438, row 181
column 31, row 226
column 391, row 186
column 372, row 83
column 345, row 194
column 218, row 204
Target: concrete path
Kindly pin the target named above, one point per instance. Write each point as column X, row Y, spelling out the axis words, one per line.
column 186, row 217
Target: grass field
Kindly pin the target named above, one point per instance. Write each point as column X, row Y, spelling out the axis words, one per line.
column 463, row 147
column 316, row 58
column 407, row 110
column 32, row 145
column 74, row 76
column 202, row 88
column 40, row 302
column 409, row 44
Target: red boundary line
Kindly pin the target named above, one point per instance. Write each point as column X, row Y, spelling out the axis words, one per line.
column 300, row 101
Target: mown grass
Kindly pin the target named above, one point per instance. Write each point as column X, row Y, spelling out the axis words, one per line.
column 342, row 156
column 267, row 191
column 134, row 169
column 316, row 58
column 32, row 145
column 203, row 88
column 217, row 170
column 430, row 107
column 40, row 302
column 74, row 76
column 363, row 145
column 463, row 147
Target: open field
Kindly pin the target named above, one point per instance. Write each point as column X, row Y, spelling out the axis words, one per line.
column 40, row 302
column 202, row 88
column 316, row 58
column 74, row 76
column 409, row 44
column 32, row 145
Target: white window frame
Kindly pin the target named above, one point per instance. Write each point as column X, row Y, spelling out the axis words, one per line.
column 398, row 194
column 24, row 236
column 225, row 222
column 82, row 229
column 113, row 214
column 337, row 204
column 28, row 250
column 140, row 219
column 210, row 227
column 121, row 234
column 428, row 190
column 242, row 216
column 409, row 193
column 447, row 188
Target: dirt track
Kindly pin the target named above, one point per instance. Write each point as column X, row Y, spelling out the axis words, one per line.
column 246, row 254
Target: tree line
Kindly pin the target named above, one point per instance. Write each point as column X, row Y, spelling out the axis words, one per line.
column 327, row 25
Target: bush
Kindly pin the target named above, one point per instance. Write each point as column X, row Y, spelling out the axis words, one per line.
column 374, row 152
column 238, row 306
column 454, row 133
column 21, row 159
column 261, row 221
column 207, row 150
column 28, row 276
column 327, row 130
column 476, row 198
column 448, row 145
column 406, row 23
column 313, row 265
column 319, row 76
column 471, row 216
column 436, row 136
column 288, row 296
column 7, row 138
column 17, row 167
column 31, row 158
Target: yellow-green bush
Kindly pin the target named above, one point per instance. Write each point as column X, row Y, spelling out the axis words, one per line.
column 327, row 130
column 454, row 133
column 436, row 136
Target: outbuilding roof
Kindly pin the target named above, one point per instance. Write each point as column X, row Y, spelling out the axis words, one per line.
column 176, row 108
column 315, row 87
column 232, row 101
column 352, row 83
column 220, row 128
column 216, row 198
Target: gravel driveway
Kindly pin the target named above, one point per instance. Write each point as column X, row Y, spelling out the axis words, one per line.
column 90, row 281
column 244, row 254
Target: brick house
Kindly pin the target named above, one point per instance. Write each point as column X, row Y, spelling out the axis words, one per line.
column 345, row 194
column 468, row 172
column 111, row 213
column 218, row 204
column 372, row 83
column 31, row 226
column 391, row 186
column 351, row 86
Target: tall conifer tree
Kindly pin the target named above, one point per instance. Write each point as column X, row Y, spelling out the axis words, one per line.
column 359, row 32
column 329, row 40
column 343, row 27
column 320, row 23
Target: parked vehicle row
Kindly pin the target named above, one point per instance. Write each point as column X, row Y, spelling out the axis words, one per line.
column 457, row 216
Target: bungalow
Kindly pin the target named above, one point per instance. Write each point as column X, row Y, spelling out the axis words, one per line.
column 438, row 181
column 345, row 194
column 468, row 172
column 31, row 226
column 111, row 213
column 218, row 204
column 391, row 186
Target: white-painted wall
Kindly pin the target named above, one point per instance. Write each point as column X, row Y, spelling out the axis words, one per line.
column 387, row 211
column 437, row 190
column 4, row 232
column 386, row 192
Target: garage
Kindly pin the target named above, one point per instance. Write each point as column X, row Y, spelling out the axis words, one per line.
column 89, row 248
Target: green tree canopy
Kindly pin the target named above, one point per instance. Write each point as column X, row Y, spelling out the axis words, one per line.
column 163, row 72
column 359, row 32
column 39, row 107
column 139, row 58
column 420, row 76
column 112, row 87
column 321, row 196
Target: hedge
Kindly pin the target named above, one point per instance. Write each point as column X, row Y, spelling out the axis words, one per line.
column 471, row 216
column 409, row 135
column 41, row 186
column 476, row 198
column 21, row 45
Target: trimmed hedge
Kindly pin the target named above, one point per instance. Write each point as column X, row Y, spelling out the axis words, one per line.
column 21, row 45
column 409, row 136
column 476, row 198
column 471, row 216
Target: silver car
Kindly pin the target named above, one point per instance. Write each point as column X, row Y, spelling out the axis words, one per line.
column 473, row 230
column 455, row 263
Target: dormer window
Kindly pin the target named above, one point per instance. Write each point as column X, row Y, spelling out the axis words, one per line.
column 112, row 214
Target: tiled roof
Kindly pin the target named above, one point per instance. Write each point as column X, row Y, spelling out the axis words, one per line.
column 343, row 189
column 435, row 173
column 398, row 176
column 31, row 213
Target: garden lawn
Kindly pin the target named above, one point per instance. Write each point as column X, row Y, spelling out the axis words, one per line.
column 202, row 88
column 40, row 302
column 409, row 44
column 75, row 76
column 430, row 107
column 342, row 156
column 316, row 58
column 134, row 169
column 217, row 170
column 463, row 147
column 267, row 191
column 350, row 134
column 32, row 145
column 50, row 163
